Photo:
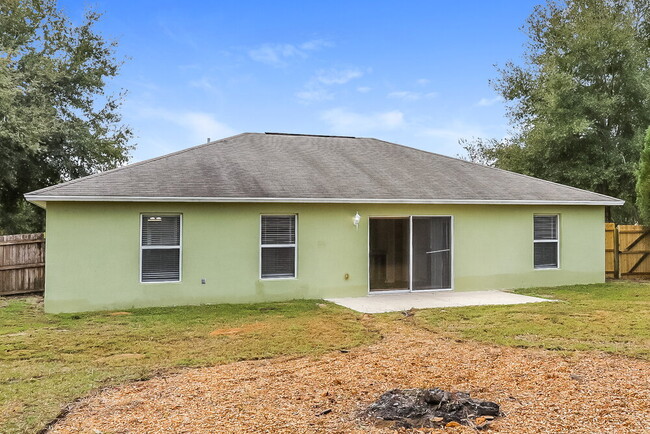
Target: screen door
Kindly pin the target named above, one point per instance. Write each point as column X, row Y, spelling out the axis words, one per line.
column 431, row 238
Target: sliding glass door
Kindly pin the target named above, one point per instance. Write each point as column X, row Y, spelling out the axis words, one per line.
column 410, row 253
column 389, row 254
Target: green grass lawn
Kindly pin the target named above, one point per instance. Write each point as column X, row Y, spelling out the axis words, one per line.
column 47, row 361
column 611, row 317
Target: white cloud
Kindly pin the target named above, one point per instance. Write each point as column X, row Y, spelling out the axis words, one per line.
column 198, row 126
column 485, row 102
column 446, row 137
column 204, row 84
column 315, row 44
column 203, row 125
column 279, row 54
column 314, row 95
column 423, row 81
column 364, row 89
column 274, row 54
column 345, row 121
column 316, row 89
column 337, row 76
column 407, row 95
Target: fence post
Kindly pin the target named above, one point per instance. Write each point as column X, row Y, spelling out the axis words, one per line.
column 617, row 268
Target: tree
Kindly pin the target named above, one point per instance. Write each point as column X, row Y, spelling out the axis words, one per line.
column 643, row 181
column 56, row 120
column 580, row 103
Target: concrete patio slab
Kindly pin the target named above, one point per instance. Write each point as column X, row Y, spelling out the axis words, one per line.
column 382, row 303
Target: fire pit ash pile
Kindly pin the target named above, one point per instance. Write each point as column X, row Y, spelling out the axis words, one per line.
column 430, row 408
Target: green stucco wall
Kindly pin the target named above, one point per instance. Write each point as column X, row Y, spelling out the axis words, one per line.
column 92, row 251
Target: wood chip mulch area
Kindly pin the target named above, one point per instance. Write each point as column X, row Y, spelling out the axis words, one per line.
column 539, row 391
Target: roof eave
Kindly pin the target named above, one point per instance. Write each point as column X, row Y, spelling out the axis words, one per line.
column 40, row 200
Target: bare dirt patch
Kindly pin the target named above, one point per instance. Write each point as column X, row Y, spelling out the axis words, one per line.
column 538, row 391
column 236, row 330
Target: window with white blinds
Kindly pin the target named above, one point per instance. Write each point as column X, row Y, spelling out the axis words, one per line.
column 546, row 241
column 160, row 248
column 278, row 246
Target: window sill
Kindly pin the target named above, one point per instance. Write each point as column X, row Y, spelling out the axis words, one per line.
column 277, row 278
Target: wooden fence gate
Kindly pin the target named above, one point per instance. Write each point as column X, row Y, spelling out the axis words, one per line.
column 22, row 263
column 627, row 251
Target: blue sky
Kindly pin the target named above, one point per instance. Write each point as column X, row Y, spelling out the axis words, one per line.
column 411, row 72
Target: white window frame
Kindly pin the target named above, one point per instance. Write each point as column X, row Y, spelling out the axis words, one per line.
column 294, row 246
column 179, row 247
column 557, row 240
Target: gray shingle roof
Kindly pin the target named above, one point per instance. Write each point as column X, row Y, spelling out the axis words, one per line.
column 301, row 168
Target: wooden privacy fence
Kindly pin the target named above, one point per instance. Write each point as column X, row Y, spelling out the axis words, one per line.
column 22, row 263
column 627, row 251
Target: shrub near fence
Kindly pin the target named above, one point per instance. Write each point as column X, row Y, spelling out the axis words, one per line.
column 22, row 263
column 627, row 251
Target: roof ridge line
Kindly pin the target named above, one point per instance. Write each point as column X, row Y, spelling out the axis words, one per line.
column 138, row 163
column 499, row 169
column 309, row 135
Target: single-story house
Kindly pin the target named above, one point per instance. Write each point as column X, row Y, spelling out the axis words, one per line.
column 264, row 217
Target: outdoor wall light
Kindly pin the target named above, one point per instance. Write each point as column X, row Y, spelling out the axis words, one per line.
column 356, row 220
